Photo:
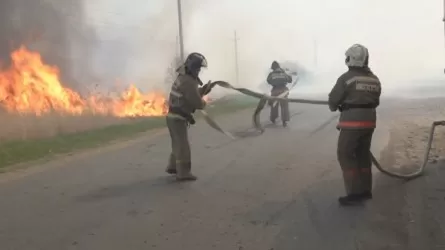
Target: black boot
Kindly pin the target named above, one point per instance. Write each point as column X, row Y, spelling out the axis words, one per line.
column 170, row 171
column 284, row 124
column 186, row 177
column 184, row 172
column 366, row 195
column 171, row 167
column 350, row 200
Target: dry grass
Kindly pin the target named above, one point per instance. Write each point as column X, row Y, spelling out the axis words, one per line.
column 27, row 138
column 25, row 127
column 410, row 125
column 28, row 126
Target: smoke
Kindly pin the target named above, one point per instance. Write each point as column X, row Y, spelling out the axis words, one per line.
column 137, row 43
column 56, row 29
column 113, row 40
column 405, row 39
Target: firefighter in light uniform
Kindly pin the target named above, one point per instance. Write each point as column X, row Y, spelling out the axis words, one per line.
column 279, row 79
column 356, row 95
column 185, row 97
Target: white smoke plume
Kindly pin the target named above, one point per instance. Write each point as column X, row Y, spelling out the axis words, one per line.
column 404, row 37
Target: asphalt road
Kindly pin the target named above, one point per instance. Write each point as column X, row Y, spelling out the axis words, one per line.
column 274, row 191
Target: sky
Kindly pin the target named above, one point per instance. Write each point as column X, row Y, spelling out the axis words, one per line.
column 405, row 38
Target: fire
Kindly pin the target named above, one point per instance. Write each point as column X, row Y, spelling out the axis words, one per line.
column 206, row 98
column 134, row 103
column 30, row 86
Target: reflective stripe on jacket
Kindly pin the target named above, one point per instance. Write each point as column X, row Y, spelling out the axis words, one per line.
column 359, row 89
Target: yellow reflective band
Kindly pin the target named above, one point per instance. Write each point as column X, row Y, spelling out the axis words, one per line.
column 181, row 161
column 278, row 76
column 367, row 87
column 175, row 93
column 362, row 79
column 171, row 115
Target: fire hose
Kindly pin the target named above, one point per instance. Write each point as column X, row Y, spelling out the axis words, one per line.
column 264, row 98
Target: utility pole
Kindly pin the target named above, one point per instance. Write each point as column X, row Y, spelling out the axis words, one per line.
column 181, row 37
column 236, row 60
column 316, row 53
column 176, row 46
column 443, row 20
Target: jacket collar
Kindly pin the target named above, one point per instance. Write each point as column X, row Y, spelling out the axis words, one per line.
column 182, row 71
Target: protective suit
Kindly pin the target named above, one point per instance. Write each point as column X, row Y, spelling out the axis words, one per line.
column 356, row 95
column 185, row 97
column 279, row 79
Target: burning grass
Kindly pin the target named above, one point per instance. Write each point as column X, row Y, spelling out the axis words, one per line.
column 55, row 134
column 29, row 86
column 41, row 117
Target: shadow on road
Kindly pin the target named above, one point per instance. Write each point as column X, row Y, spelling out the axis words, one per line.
column 164, row 184
column 402, row 215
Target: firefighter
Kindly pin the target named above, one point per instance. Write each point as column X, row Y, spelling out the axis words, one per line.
column 185, row 97
column 279, row 79
column 356, row 95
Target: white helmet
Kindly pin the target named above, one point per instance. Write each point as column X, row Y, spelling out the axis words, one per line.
column 357, row 56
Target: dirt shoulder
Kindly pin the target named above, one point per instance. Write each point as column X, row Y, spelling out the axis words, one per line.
column 409, row 214
column 409, row 124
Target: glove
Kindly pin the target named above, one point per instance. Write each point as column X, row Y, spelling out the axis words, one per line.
column 333, row 109
column 192, row 121
column 205, row 90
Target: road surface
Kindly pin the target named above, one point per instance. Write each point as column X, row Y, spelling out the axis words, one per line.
column 275, row 191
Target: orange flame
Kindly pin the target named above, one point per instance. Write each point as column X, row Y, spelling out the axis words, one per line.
column 206, row 98
column 30, row 86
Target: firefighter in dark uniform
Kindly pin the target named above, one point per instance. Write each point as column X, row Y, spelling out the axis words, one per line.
column 185, row 97
column 279, row 79
column 356, row 95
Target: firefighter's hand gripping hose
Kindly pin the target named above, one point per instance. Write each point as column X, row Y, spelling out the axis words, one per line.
column 257, row 124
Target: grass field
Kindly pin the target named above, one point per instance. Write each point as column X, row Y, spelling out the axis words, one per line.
column 19, row 151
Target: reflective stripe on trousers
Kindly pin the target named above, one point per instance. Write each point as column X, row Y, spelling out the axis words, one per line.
column 357, row 124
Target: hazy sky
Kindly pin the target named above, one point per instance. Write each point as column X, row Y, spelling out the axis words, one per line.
column 405, row 37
